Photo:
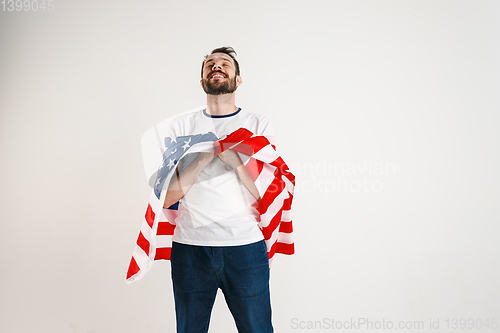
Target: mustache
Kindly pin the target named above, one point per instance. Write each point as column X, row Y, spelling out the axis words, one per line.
column 214, row 72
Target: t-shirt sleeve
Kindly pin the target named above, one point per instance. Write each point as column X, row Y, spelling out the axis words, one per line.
column 266, row 129
column 154, row 146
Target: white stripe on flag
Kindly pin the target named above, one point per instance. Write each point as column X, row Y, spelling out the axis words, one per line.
column 286, row 216
column 283, row 237
column 146, row 231
column 289, row 185
column 142, row 260
column 164, row 241
column 273, row 208
column 265, row 179
column 266, row 154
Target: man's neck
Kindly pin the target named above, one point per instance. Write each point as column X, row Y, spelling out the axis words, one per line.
column 218, row 105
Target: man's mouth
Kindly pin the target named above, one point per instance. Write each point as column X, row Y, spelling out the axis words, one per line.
column 217, row 76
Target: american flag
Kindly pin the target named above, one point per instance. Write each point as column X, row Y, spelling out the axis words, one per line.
column 177, row 148
column 269, row 172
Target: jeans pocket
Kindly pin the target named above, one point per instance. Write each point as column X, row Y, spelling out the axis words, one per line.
column 264, row 250
column 263, row 246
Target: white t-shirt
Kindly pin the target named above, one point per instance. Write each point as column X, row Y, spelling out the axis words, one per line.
column 218, row 210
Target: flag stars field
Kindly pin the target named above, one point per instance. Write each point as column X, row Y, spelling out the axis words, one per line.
column 186, row 146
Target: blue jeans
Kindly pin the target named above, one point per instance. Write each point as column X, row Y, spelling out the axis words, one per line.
column 241, row 272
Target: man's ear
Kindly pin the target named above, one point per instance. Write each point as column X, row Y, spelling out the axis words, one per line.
column 239, row 81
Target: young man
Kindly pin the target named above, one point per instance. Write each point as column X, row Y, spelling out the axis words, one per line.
column 217, row 242
column 218, row 218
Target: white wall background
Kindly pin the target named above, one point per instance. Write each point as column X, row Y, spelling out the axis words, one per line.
column 387, row 112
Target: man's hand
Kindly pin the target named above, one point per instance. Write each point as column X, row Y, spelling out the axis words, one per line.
column 231, row 158
column 204, row 158
column 180, row 184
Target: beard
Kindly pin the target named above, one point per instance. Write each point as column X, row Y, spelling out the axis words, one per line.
column 218, row 87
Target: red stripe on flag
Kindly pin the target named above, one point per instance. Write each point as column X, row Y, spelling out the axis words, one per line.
column 238, row 135
column 287, row 203
column 256, row 142
column 150, row 216
column 285, row 248
column 165, row 228
column 286, row 227
column 278, row 162
column 254, row 168
column 272, row 251
column 233, row 138
column 273, row 225
column 133, row 268
column 143, row 243
column 244, row 148
column 272, row 191
column 260, row 166
column 246, row 144
column 163, row 253
column 283, row 169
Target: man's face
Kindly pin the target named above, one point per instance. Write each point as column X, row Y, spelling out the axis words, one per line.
column 219, row 75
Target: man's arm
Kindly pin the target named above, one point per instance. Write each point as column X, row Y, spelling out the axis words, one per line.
column 180, row 184
column 231, row 158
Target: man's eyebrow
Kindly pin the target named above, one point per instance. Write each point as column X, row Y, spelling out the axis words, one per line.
column 211, row 60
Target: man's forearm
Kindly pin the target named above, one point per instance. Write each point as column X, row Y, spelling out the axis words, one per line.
column 245, row 178
column 180, row 184
column 232, row 158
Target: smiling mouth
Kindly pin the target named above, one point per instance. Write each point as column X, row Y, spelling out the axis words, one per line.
column 217, row 76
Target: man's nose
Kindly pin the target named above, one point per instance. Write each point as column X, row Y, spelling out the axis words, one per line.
column 216, row 66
